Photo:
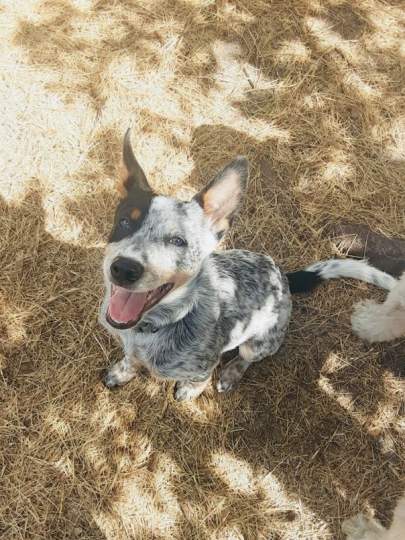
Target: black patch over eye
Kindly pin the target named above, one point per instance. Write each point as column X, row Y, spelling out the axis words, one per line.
column 178, row 241
column 124, row 223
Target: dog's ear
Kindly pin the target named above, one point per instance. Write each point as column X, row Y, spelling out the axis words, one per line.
column 222, row 197
column 132, row 175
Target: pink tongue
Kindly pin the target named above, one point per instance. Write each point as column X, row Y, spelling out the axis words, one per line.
column 126, row 306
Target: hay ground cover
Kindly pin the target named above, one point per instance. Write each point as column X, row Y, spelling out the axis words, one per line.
column 312, row 91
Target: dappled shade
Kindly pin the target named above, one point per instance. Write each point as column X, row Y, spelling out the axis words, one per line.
column 310, row 91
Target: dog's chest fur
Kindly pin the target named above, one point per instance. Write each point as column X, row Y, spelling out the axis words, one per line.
column 237, row 295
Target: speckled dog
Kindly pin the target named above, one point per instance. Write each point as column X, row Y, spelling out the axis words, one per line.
column 174, row 302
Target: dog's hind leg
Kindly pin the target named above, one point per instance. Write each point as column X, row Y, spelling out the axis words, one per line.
column 251, row 351
column 232, row 373
column 121, row 372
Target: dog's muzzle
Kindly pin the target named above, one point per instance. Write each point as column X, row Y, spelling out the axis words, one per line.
column 126, row 272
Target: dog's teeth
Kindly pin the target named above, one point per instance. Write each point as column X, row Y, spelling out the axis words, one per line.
column 155, row 295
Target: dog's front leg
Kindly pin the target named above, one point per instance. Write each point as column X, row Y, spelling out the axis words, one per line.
column 121, row 372
column 186, row 390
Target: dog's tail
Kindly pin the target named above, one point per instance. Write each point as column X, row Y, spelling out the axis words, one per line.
column 313, row 275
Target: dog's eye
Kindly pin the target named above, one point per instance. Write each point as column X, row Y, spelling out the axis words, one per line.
column 178, row 241
column 124, row 223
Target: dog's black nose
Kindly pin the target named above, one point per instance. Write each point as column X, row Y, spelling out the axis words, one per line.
column 126, row 271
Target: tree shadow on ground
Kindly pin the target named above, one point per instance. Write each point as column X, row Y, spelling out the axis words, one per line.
column 83, row 462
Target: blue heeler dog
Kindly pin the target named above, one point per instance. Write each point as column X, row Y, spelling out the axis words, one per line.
column 177, row 304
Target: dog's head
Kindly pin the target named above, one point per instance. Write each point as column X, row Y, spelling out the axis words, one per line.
column 158, row 243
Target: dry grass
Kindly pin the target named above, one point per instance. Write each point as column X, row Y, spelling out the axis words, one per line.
column 313, row 92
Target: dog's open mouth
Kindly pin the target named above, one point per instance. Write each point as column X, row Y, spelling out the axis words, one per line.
column 126, row 307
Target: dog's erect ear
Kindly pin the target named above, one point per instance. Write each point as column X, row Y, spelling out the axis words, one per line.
column 133, row 175
column 222, row 197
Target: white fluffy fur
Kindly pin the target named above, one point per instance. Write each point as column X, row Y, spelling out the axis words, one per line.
column 371, row 321
column 362, row 528
column 376, row 322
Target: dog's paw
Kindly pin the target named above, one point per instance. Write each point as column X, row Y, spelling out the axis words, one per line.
column 120, row 373
column 185, row 391
column 110, row 380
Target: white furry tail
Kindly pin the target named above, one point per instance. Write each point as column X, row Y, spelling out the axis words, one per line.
column 351, row 268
